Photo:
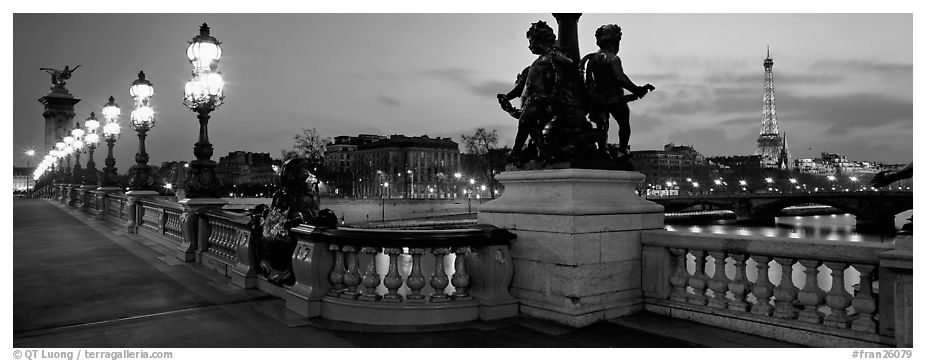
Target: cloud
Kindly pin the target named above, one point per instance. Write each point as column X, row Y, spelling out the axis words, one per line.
column 456, row 75
column 491, row 87
column 846, row 112
column 865, row 67
column 389, row 101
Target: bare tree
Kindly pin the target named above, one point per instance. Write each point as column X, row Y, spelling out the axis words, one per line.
column 482, row 146
column 309, row 145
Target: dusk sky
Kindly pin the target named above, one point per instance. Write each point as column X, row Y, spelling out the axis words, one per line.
column 844, row 82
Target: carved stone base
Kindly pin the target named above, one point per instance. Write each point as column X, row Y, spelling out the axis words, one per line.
column 578, row 257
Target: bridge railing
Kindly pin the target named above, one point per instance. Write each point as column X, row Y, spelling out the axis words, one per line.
column 402, row 277
column 817, row 293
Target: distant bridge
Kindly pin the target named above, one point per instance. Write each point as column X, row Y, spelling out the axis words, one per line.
column 872, row 210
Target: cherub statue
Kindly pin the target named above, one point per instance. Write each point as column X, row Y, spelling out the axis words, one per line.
column 294, row 203
column 60, row 77
column 547, row 90
column 605, row 82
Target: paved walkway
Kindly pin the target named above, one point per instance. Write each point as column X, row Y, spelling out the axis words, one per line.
column 78, row 282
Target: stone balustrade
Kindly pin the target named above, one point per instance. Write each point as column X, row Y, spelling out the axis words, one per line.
column 225, row 230
column 151, row 217
column 402, row 276
column 115, row 206
column 817, row 293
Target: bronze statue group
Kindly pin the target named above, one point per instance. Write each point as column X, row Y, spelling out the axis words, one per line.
column 557, row 93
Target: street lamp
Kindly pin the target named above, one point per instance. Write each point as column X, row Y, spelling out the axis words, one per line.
column 110, row 133
column 142, row 120
column 60, row 155
column 78, row 145
column 91, row 139
column 29, row 153
column 768, row 183
column 832, row 180
column 202, row 95
column 854, row 183
column 383, row 196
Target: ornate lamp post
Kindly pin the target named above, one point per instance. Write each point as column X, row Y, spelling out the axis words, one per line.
column 78, row 144
column 110, row 133
column 59, row 156
column 29, row 154
column 141, row 184
column 202, row 95
column 91, row 139
column 142, row 121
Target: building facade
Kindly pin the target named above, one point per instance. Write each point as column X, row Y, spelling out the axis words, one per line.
column 405, row 167
column 339, row 178
column 674, row 163
column 239, row 168
column 22, row 178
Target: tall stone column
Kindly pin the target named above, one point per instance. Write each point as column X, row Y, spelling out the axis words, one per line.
column 578, row 257
column 58, row 114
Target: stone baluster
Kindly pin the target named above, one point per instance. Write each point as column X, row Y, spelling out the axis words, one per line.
column 864, row 303
column 336, row 276
column 352, row 276
column 837, row 298
column 718, row 283
column 370, row 278
column 763, row 288
column 393, row 279
column 810, row 296
column 460, row 280
column 439, row 279
column 679, row 278
column 739, row 287
column 785, row 293
column 162, row 221
column 415, row 279
column 698, row 281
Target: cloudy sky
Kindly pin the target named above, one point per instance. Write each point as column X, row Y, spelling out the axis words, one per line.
column 844, row 82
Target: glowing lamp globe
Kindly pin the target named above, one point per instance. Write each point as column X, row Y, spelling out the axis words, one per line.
column 111, row 110
column 143, row 117
column 141, row 89
column 111, row 131
column 204, row 51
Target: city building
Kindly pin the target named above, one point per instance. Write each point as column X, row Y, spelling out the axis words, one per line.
column 674, row 163
column 771, row 146
column 174, row 172
column 240, row 168
column 339, row 178
column 405, row 167
column 22, row 178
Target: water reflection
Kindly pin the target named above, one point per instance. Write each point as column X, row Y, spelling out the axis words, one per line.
column 834, row 227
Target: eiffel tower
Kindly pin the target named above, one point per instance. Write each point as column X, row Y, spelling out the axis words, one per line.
column 771, row 146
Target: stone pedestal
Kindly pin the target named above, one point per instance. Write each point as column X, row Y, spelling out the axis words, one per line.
column 133, row 196
column 194, row 226
column 577, row 259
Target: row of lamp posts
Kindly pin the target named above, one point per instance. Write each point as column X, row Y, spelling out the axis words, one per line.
column 202, row 94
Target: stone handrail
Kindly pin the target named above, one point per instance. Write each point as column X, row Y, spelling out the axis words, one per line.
column 780, row 288
column 401, row 276
column 115, row 206
column 160, row 217
column 224, row 230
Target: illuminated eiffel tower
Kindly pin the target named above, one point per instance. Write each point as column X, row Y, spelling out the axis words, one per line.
column 771, row 146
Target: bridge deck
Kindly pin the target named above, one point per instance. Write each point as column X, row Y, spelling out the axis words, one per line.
column 81, row 283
